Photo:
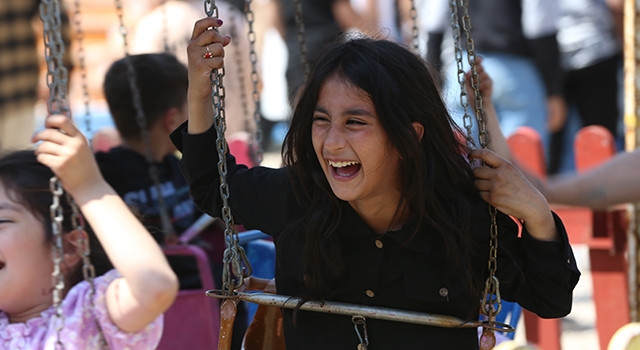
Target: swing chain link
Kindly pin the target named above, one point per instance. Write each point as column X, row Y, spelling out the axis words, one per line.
column 167, row 227
column 88, row 270
column 57, row 253
column 257, row 117
column 165, row 28
column 415, row 33
column 83, row 68
column 233, row 32
column 302, row 40
column 234, row 256
column 358, row 320
column 57, row 77
column 483, row 135
column 464, row 97
column 491, row 303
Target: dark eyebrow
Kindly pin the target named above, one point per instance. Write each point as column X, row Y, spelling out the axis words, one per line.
column 9, row 206
column 358, row 111
column 321, row 110
column 354, row 111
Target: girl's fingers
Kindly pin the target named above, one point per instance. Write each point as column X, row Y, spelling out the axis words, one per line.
column 483, row 185
column 62, row 123
column 203, row 24
column 50, row 135
column 51, row 148
column 489, row 157
column 482, row 172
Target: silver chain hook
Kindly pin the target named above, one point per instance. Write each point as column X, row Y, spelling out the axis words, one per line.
column 167, row 227
column 364, row 336
column 234, row 256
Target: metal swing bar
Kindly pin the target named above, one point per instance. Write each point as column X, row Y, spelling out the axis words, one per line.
column 374, row 312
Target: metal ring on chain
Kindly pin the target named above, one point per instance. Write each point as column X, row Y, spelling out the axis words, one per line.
column 208, row 54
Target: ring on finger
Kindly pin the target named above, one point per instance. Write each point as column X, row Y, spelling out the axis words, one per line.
column 208, row 54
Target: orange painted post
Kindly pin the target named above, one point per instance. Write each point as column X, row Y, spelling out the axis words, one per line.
column 604, row 232
column 593, row 145
column 526, row 149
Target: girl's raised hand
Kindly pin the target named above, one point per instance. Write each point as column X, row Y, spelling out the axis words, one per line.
column 502, row 185
column 205, row 52
column 65, row 150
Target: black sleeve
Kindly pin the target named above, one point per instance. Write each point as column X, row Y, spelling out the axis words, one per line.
column 539, row 275
column 546, row 55
column 258, row 197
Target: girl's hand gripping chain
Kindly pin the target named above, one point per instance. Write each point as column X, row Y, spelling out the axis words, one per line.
column 206, row 53
column 148, row 285
column 502, row 185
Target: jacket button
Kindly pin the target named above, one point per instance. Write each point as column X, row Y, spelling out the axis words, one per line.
column 370, row 293
column 379, row 244
column 444, row 292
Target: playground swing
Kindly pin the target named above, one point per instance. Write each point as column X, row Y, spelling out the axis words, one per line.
column 235, row 260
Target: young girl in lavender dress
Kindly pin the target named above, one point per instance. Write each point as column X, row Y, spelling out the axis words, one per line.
column 126, row 309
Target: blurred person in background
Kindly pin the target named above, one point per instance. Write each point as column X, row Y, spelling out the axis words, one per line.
column 518, row 42
column 19, row 69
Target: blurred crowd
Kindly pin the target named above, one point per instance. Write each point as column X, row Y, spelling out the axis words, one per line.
column 556, row 64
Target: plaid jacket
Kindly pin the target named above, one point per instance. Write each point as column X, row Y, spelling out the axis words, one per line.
column 19, row 59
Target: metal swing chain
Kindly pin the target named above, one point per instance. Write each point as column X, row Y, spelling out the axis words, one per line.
column 257, row 117
column 88, row 270
column 233, row 32
column 414, row 27
column 491, row 303
column 302, row 40
column 165, row 28
column 167, row 227
column 57, row 252
column 57, row 79
column 234, row 255
column 483, row 135
column 464, row 97
column 83, row 68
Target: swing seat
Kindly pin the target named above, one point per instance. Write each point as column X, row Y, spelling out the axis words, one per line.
column 193, row 320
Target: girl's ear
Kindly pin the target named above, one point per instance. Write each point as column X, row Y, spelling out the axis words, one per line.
column 74, row 242
column 419, row 129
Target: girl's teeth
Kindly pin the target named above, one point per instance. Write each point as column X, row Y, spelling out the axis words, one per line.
column 341, row 164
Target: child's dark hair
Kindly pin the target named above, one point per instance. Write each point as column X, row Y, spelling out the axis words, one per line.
column 162, row 81
column 26, row 181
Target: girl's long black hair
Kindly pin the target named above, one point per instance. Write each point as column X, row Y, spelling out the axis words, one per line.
column 403, row 90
